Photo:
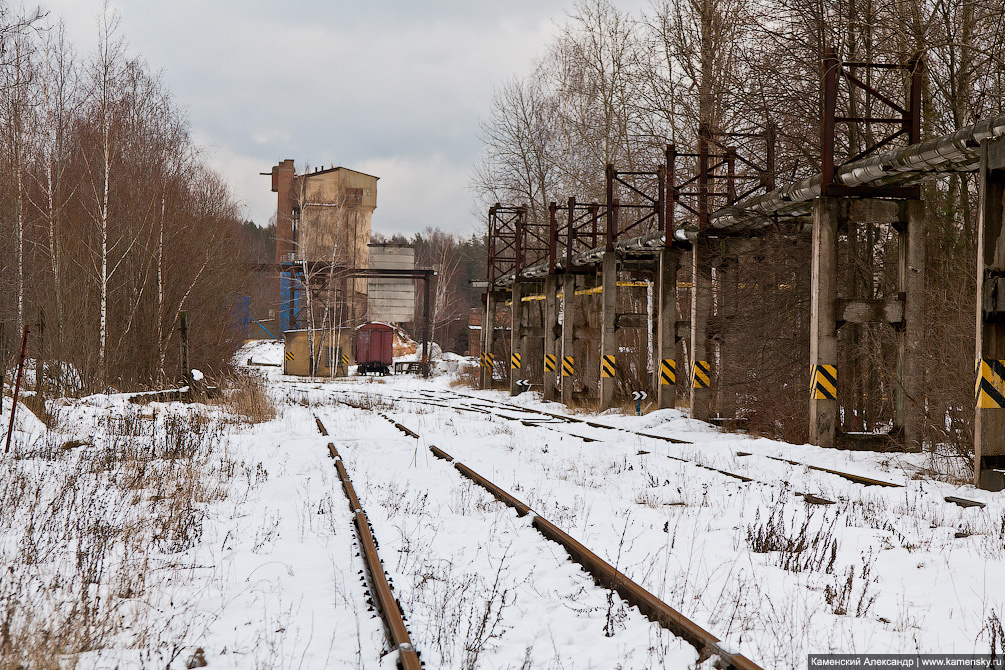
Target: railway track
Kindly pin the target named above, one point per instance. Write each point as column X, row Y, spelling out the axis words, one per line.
column 603, row 573
column 376, row 578
column 551, row 420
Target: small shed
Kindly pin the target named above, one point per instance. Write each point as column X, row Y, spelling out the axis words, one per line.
column 332, row 361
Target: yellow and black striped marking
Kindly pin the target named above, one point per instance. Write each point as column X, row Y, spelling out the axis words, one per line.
column 701, row 374
column 608, row 368
column 823, row 382
column 345, row 360
column 289, row 355
column 549, row 363
column 668, row 372
column 568, row 366
column 989, row 391
column 514, row 361
column 488, row 360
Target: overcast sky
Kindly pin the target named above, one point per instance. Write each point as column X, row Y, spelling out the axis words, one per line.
column 391, row 88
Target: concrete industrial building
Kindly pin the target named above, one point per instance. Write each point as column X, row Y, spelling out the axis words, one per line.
column 322, row 217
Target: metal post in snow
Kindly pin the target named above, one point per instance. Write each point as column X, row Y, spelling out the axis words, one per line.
column 40, row 360
column 425, row 325
column 184, row 350
column 17, row 387
column 3, row 355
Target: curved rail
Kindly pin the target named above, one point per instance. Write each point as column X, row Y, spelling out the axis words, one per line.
column 383, row 597
column 808, row 497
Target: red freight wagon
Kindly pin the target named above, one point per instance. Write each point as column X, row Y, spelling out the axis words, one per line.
column 373, row 348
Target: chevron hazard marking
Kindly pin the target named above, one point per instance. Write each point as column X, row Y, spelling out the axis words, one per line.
column 608, row 369
column 701, row 374
column 568, row 366
column 823, row 382
column 989, row 390
column 668, row 372
column 549, row 363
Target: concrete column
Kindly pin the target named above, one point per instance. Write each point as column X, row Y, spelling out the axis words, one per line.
column 727, row 275
column 989, row 423
column 488, row 339
column 568, row 319
column 823, row 319
column 551, row 336
column 608, row 334
column 701, row 307
column 516, row 339
column 666, row 328
column 911, row 284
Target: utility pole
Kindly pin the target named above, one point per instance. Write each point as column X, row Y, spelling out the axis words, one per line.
column 187, row 375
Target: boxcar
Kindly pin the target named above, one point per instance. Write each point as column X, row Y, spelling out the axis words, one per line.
column 373, row 348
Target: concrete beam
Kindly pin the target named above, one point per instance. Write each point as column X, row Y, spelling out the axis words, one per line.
column 488, row 338
column 608, row 332
column 823, row 325
column 515, row 363
column 667, row 329
column 989, row 421
column 910, row 395
column 568, row 332
column 551, row 342
column 701, row 308
column 870, row 311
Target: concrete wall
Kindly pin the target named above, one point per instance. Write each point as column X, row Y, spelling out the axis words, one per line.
column 391, row 300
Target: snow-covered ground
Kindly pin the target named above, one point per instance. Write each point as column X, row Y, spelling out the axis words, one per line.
column 260, row 567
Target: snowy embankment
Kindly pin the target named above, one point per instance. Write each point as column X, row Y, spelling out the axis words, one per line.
column 144, row 534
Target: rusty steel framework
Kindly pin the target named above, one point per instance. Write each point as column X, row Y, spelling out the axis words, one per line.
column 505, row 230
column 905, row 116
column 872, row 163
column 580, row 231
column 716, row 161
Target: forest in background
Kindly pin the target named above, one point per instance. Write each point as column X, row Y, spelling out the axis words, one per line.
column 614, row 86
column 112, row 225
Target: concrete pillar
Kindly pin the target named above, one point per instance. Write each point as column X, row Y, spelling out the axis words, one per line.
column 517, row 339
column 551, row 337
column 701, row 306
column 488, row 339
column 608, row 334
column 666, row 329
column 726, row 287
column 911, row 284
column 823, row 322
column 989, row 421
column 568, row 319
column 282, row 184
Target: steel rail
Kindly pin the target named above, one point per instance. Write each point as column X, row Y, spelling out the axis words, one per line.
column 809, row 497
column 604, row 574
column 383, row 597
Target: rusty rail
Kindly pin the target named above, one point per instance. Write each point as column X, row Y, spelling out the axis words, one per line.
column 383, row 597
column 809, row 497
column 603, row 573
